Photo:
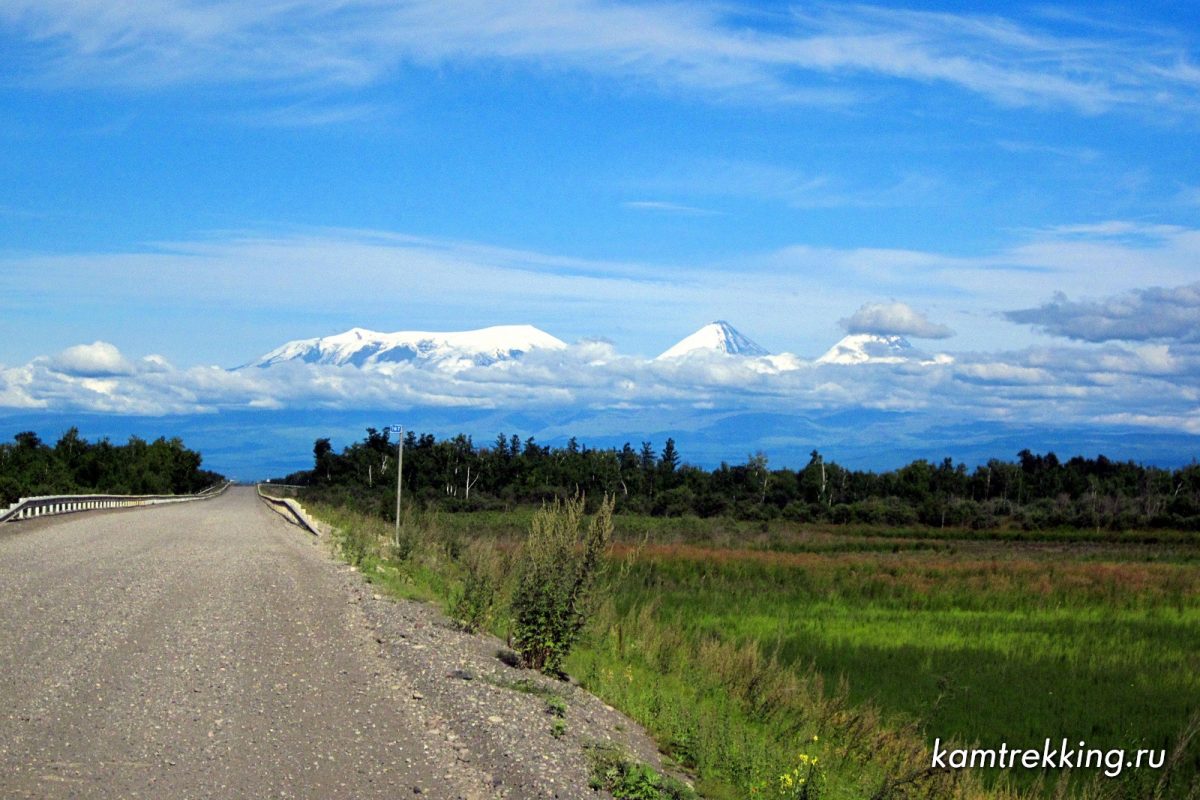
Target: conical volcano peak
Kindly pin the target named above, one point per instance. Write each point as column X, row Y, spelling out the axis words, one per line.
column 716, row 337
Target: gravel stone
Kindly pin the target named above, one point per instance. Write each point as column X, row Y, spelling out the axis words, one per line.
column 213, row 650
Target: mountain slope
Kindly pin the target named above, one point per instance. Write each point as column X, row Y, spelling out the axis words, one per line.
column 716, row 337
column 863, row 348
column 875, row 348
column 365, row 348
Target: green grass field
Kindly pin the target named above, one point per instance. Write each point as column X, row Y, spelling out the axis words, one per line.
column 752, row 652
column 989, row 650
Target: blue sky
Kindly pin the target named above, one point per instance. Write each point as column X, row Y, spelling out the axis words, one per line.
column 201, row 181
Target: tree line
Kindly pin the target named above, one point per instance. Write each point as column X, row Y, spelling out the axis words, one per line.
column 1034, row 491
column 73, row 465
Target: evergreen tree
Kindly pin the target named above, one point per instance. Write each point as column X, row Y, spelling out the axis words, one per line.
column 669, row 459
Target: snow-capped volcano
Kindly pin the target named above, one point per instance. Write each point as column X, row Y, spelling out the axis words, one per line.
column 876, row 348
column 364, row 348
column 716, row 337
column 862, row 348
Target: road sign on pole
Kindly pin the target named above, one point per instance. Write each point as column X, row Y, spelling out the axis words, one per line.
column 398, row 429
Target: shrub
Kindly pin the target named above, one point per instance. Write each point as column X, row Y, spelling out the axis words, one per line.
column 555, row 575
column 484, row 568
column 675, row 502
column 358, row 540
column 406, row 539
column 558, row 728
column 798, row 511
column 556, row 706
column 630, row 780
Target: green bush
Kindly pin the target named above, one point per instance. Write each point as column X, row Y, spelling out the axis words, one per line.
column 556, row 706
column 357, row 542
column 484, row 568
column 630, row 780
column 406, row 539
column 557, row 569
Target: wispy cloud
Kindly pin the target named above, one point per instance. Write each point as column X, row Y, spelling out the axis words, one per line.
column 309, row 114
column 1189, row 196
column 1084, row 155
column 321, row 281
column 797, row 188
column 667, row 207
column 715, row 49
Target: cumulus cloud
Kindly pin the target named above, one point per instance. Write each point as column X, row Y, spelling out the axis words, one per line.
column 1154, row 314
column 94, row 360
column 589, row 382
column 893, row 319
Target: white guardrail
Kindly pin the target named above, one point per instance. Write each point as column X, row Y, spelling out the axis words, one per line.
column 289, row 509
column 33, row 507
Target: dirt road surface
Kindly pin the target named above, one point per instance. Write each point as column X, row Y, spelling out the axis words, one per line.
column 211, row 649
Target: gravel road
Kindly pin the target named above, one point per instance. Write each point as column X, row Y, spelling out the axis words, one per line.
column 213, row 650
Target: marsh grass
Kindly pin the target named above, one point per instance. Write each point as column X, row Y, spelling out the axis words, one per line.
column 1014, row 649
column 743, row 650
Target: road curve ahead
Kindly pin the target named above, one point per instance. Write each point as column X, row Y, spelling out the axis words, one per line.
column 198, row 650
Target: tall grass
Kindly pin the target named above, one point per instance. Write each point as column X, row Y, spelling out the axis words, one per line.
column 802, row 653
column 987, row 653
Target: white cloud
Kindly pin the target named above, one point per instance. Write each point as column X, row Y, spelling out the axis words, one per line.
column 668, row 207
column 1155, row 314
column 97, row 359
column 893, row 319
column 717, row 49
column 1005, row 373
column 154, row 363
column 797, row 188
column 1083, row 385
column 1189, row 196
column 1084, row 155
column 327, row 280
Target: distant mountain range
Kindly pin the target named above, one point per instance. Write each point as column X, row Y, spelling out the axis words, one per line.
column 364, row 348
column 360, row 347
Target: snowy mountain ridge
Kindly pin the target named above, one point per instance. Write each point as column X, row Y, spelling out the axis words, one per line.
column 860, row 348
column 876, row 348
column 504, row 344
column 455, row 349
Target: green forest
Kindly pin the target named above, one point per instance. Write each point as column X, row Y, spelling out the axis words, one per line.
column 1033, row 492
column 29, row 467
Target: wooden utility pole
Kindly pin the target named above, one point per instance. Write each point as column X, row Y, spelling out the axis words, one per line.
column 399, row 429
